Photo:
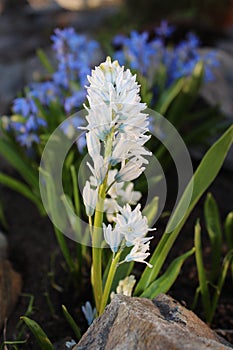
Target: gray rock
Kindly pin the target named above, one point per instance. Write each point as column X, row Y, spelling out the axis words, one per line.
column 3, row 247
column 142, row 324
column 221, row 90
column 11, row 82
column 10, row 288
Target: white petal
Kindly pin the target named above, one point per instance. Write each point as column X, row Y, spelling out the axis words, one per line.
column 112, row 237
column 90, row 198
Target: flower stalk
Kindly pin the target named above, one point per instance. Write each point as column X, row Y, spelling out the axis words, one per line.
column 117, row 127
column 109, row 281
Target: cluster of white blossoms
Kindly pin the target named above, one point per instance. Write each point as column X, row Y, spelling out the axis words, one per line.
column 116, row 133
column 130, row 230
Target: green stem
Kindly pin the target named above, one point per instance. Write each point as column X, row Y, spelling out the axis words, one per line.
column 97, row 253
column 109, row 281
column 96, row 273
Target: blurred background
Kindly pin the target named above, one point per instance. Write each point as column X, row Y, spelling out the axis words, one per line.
column 26, row 25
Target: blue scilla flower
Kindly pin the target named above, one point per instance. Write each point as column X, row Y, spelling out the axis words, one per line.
column 26, row 122
column 164, row 30
column 210, row 62
column 74, row 53
column 137, row 51
column 45, row 92
column 181, row 60
column 27, row 139
column 148, row 56
column 24, row 106
column 74, row 101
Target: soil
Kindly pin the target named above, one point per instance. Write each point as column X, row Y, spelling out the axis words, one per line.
column 34, row 252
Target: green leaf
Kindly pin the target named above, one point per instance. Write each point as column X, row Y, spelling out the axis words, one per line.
column 12, row 155
column 187, row 96
column 58, row 216
column 45, row 61
column 39, row 334
column 168, row 96
column 21, row 188
column 75, row 190
column 228, row 226
column 2, row 216
column 228, row 261
column 203, row 177
column 213, row 225
column 71, row 322
column 201, row 270
column 164, row 283
column 151, row 210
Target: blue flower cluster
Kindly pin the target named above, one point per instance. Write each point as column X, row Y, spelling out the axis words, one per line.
column 74, row 55
column 149, row 56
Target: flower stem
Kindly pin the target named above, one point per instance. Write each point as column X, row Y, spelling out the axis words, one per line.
column 96, row 275
column 97, row 252
column 109, row 281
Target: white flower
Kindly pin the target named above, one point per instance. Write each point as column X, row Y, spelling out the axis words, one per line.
column 139, row 254
column 93, row 144
column 111, row 208
column 90, row 197
column 99, row 170
column 70, row 344
column 131, row 224
column 88, row 312
column 120, row 193
column 113, row 237
column 130, row 171
column 113, row 191
column 101, row 120
column 125, row 148
column 115, row 117
column 114, row 101
column 125, row 286
column 129, row 195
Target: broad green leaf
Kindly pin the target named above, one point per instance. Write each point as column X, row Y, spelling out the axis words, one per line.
column 228, row 226
column 45, row 61
column 145, row 90
column 21, row 188
column 203, row 177
column 213, row 225
column 71, row 322
column 168, row 96
column 201, row 270
column 11, row 154
column 58, row 217
column 41, row 337
column 187, row 95
column 74, row 219
column 164, row 283
column 151, row 210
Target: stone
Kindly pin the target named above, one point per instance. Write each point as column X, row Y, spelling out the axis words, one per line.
column 221, row 90
column 3, row 247
column 143, row 324
column 11, row 83
column 10, row 288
